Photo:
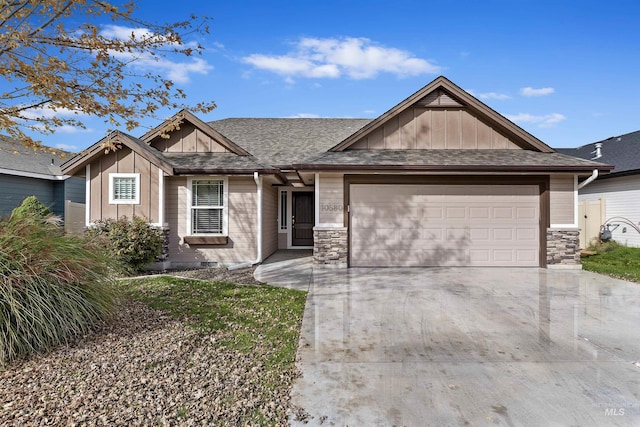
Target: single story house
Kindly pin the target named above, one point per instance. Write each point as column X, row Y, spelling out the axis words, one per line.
column 440, row 179
column 27, row 172
column 613, row 198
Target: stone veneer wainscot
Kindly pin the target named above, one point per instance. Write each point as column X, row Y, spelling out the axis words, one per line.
column 563, row 247
column 330, row 246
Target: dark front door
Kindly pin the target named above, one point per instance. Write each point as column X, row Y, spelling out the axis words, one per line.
column 303, row 220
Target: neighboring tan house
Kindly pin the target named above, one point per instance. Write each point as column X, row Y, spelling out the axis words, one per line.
column 616, row 195
column 27, row 172
column 439, row 180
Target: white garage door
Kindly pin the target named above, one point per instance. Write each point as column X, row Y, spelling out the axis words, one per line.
column 444, row 225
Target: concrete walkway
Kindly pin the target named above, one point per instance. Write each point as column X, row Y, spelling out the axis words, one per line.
column 465, row 346
column 287, row 268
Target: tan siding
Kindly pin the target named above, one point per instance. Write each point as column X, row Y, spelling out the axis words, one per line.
column 454, row 131
column 435, row 128
column 392, row 134
column 96, row 192
column 561, row 199
column 376, row 139
column 242, row 224
column 108, row 165
column 269, row 219
column 407, row 129
column 187, row 139
column 438, row 129
column 154, row 195
column 423, row 128
column 469, row 131
column 484, row 135
column 331, row 198
column 143, row 167
column 124, row 161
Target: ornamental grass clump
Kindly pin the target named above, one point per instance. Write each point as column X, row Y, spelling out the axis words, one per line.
column 53, row 287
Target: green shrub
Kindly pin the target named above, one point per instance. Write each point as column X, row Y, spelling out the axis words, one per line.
column 31, row 205
column 52, row 286
column 134, row 243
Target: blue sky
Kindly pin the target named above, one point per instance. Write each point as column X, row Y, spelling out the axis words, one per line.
column 566, row 71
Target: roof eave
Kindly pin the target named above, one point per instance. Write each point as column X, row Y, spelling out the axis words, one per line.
column 453, row 168
column 223, row 171
column 73, row 165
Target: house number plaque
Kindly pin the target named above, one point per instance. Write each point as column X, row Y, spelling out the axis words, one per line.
column 332, row 208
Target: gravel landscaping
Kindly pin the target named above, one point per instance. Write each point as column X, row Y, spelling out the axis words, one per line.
column 146, row 368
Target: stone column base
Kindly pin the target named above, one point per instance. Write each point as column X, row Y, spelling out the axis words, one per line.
column 330, row 246
column 563, row 248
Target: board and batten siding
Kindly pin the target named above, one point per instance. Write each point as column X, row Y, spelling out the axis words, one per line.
column 562, row 196
column 188, row 139
column 435, row 128
column 269, row 218
column 241, row 246
column 622, row 198
column 124, row 161
column 330, row 200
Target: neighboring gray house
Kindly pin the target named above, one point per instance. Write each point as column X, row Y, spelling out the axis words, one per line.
column 25, row 172
column 616, row 195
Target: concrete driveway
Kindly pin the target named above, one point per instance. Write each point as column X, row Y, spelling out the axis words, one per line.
column 468, row 346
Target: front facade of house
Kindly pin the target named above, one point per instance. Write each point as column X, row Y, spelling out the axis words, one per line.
column 438, row 180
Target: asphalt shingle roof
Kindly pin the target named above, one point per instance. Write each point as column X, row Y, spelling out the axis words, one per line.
column 213, row 163
column 15, row 156
column 451, row 159
column 621, row 151
column 283, row 142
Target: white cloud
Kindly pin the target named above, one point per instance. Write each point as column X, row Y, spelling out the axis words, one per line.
column 544, row 121
column 176, row 71
column 357, row 58
column 543, row 91
column 494, row 95
column 72, row 129
column 66, row 147
column 304, row 116
column 46, row 112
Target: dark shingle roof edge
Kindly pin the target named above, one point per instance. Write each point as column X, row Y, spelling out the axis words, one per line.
column 451, row 160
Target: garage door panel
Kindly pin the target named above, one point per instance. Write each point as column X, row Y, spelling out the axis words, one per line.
column 433, row 225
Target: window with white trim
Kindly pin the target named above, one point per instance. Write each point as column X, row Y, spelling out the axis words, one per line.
column 124, row 188
column 208, row 208
column 283, row 210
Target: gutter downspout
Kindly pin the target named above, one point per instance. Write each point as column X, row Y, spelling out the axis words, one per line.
column 589, row 180
column 258, row 181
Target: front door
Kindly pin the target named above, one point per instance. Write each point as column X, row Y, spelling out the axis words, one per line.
column 303, row 220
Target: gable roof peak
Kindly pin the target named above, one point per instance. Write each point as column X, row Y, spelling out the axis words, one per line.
column 442, row 92
column 173, row 123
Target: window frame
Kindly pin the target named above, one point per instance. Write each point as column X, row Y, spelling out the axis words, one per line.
column 224, row 208
column 136, row 198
